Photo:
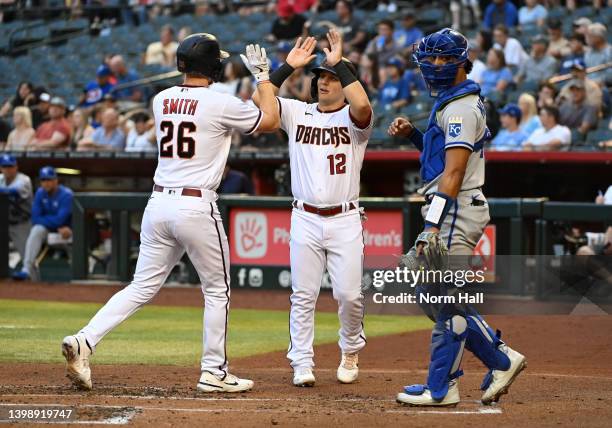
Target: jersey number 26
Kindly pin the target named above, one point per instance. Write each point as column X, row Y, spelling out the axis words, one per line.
column 185, row 145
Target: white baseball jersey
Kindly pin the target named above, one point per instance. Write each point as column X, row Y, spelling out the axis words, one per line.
column 193, row 126
column 326, row 152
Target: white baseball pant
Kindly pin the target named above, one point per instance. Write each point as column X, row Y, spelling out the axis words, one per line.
column 171, row 225
column 317, row 243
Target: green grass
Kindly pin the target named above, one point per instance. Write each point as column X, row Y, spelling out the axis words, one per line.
column 31, row 331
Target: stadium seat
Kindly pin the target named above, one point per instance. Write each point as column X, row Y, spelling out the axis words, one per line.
column 597, row 136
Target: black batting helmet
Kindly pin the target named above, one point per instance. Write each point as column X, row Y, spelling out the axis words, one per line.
column 314, row 91
column 200, row 54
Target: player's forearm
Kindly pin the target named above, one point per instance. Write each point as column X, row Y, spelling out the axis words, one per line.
column 355, row 94
column 451, row 181
column 269, row 107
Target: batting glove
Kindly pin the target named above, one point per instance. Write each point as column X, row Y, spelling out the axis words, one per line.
column 256, row 62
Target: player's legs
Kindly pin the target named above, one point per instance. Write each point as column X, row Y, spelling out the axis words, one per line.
column 344, row 245
column 307, row 268
column 18, row 234
column 36, row 239
column 159, row 253
column 200, row 231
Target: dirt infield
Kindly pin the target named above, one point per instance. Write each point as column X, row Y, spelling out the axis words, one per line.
column 568, row 380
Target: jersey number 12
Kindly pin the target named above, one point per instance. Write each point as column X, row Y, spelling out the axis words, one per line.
column 337, row 164
column 185, row 145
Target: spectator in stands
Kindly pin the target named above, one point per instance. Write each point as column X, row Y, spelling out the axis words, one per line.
column 594, row 93
column 108, row 137
column 532, row 13
column 497, row 76
column 289, row 24
column 125, row 75
column 369, row 73
column 297, row 86
column 414, row 80
column 539, row 66
column 500, row 12
column 530, row 121
column 164, row 51
column 350, row 27
column 40, row 110
column 282, row 50
column 558, row 45
column 514, row 53
column 24, row 96
column 547, row 95
column 95, row 90
column 22, row 134
column 235, row 182
column 577, row 113
column 484, row 39
column 394, row 92
column 80, row 125
column 600, row 52
column 183, row 33
column 551, row 136
column 577, row 44
column 477, row 65
column 233, row 75
column 301, row 6
column 407, row 35
column 141, row 134
column 55, row 133
column 581, row 25
column 18, row 187
column 383, row 44
column 511, row 137
column 51, row 213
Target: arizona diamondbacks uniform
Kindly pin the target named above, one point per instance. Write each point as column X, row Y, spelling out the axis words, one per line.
column 326, row 151
column 193, row 127
column 20, row 210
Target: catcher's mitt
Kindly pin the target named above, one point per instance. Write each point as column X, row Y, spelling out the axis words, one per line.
column 434, row 252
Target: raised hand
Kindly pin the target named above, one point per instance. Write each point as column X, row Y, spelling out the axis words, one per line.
column 400, row 127
column 301, row 54
column 334, row 53
column 256, row 62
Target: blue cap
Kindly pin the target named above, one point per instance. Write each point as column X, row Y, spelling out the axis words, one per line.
column 512, row 110
column 396, row 62
column 47, row 173
column 8, row 160
column 103, row 71
column 284, row 47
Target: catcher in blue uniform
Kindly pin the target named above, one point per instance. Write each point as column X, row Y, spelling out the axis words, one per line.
column 456, row 213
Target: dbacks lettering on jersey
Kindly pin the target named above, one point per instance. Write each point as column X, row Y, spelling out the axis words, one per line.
column 322, row 136
column 180, row 106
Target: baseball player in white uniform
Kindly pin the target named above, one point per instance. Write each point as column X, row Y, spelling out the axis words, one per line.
column 327, row 143
column 193, row 128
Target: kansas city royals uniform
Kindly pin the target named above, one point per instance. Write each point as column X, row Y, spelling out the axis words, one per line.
column 193, row 128
column 20, row 208
column 326, row 151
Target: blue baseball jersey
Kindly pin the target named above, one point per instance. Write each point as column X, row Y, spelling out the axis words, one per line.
column 52, row 211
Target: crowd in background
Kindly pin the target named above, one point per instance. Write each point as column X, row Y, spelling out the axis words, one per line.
column 545, row 116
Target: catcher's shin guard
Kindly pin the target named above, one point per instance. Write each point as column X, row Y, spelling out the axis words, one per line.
column 447, row 341
column 484, row 344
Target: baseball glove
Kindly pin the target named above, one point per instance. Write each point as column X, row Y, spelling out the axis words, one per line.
column 434, row 252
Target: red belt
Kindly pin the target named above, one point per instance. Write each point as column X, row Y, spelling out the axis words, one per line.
column 186, row 192
column 325, row 212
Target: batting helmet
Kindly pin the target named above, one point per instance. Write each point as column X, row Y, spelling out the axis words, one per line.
column 444, row 43
column 200, row 54
column 314, row 90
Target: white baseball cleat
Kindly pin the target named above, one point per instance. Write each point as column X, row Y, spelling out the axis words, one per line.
column 424, row 397
column 229, row 383
column 348, row 370
column 502, row 379
column 303, row 377
column 77, row 352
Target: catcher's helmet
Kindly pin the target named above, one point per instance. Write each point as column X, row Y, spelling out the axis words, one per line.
column 314, row 91
column 443, row 43
column 200, row 54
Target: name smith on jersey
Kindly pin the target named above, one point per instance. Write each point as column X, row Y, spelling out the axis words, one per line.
column 335, row 135
column 180, row 106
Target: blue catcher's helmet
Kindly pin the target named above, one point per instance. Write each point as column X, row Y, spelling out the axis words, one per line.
column 443, row 43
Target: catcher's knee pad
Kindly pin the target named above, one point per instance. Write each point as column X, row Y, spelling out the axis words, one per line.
column 447, row 341
column 484, row 343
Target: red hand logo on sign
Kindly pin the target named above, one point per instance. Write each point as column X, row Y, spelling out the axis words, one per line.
column 250, row 230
